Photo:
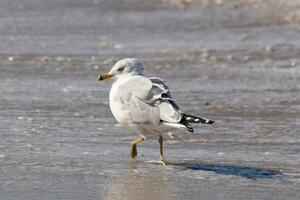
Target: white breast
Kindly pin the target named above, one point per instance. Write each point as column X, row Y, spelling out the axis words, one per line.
column 117, row 104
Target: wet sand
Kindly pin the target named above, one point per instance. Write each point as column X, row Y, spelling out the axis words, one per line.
column 236, row 63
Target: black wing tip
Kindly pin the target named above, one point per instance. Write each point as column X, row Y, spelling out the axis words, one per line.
column 190, row 129
column 193, row 119
column 188, row 126
column 210, row 122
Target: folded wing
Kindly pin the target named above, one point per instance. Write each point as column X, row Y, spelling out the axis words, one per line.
column 161, row 97
column 149, row 101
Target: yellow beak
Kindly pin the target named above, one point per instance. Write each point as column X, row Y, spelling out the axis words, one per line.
column 104, row 76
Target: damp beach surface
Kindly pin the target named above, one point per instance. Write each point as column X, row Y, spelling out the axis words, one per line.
column 236, row 62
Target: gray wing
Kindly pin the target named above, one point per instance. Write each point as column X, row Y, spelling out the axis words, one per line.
column 161, row 97
column 149, row 101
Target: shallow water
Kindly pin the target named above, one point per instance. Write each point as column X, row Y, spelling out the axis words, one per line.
column 235, row 64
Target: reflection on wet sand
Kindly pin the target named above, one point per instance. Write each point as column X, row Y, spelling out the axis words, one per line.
column 146, row 185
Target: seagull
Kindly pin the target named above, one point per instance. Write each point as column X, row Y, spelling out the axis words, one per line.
column 144, row 104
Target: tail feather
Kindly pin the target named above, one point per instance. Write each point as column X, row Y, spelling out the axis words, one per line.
column 187, row 118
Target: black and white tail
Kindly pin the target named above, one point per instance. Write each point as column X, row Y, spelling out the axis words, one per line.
column 186, row 119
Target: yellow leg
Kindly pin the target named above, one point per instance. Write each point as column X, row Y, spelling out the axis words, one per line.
column 161, row 157
column 161, row 140
column 133, row 150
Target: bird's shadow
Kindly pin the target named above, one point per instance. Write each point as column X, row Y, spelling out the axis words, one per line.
column 243, row 171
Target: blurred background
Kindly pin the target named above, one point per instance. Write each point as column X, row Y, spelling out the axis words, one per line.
column 234, row 61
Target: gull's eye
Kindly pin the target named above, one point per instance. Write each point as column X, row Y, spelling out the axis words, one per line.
column 120, row 69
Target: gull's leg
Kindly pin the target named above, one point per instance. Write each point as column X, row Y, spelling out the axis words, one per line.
column 161, row 140
column 161, row 160
column 161, row 156
column 133, row 150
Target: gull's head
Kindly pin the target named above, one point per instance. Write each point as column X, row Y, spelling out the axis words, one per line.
column 124, row 67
